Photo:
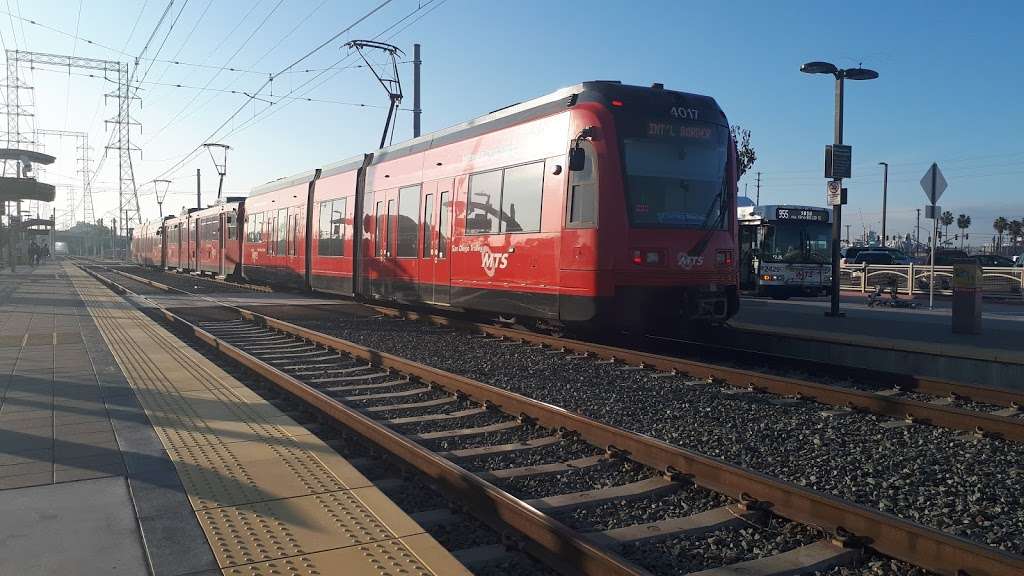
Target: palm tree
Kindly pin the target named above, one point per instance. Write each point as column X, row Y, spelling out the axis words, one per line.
column 1001, row 225
column 1016, row 229
column 946, row 220
column 963, row 222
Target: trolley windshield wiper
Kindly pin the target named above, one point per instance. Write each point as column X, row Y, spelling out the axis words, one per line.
column 703, row 242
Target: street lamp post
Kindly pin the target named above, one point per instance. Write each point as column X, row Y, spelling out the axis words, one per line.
column 837, row 210
column 885, row 194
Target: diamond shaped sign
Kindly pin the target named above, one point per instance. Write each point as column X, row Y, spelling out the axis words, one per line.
column 933, row 183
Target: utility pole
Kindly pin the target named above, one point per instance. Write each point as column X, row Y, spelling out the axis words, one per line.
column 847, row 234
column 917, row 232
column 758, row 201
column 885, row 193
column 199, row 193
column 416, row 90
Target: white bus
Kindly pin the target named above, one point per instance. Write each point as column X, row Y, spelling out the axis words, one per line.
column 785, row 250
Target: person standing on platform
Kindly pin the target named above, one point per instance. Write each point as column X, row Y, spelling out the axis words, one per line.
column 46, row 251
column 33, row 252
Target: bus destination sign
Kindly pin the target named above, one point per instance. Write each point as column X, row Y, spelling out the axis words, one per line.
column 806, row 214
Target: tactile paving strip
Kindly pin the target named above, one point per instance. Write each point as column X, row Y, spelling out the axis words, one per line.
column 228, row 474
column 386, row 558
column 295, row 526
column 271, row 498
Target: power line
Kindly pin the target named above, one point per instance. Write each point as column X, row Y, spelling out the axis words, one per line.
column 138, row 18
column 247, row 93
column 189, row 104
column 120, row 51
column 269, row 80
column 267, row 112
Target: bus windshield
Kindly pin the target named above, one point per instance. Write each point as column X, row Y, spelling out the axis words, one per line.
column 797, row 242
column 675, row 177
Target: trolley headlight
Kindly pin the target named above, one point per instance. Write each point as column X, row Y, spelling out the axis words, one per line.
column 724, row 258
column 643, row 257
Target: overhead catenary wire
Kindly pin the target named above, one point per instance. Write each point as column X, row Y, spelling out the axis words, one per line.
column 121, row 51
column 265, row 113
column 188, row 109
column 213, row 135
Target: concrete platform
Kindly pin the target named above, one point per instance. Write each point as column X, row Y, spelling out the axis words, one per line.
column 123, row 451
column 918, row 341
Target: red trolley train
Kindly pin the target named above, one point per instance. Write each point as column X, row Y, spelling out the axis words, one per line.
column 601, row 203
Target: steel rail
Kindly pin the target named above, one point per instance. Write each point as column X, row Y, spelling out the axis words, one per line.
column 904, row 408
column 906, row 382
column 547, row 539
column 919, row 545
column 887, row 534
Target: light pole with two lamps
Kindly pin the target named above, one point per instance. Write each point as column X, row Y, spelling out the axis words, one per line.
column 840, row 75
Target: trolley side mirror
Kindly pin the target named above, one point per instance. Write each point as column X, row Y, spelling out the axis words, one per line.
column 577, row 159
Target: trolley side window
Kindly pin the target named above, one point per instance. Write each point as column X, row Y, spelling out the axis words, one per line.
column 378, row 232
column 444, row 224
column 521, row 192
column 293, row 244
column 506, row 201
column 428, row 225
column 282, row 231
column 582, row 203
column 408, row 221
column 331, row 235
column 390, row 235
column 483, row 203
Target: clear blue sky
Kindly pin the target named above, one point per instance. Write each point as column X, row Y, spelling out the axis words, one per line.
column 950, row 88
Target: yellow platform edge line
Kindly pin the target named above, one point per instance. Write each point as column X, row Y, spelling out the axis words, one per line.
column 126, row 330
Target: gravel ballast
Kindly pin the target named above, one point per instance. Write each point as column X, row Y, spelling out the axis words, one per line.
column 925, row 474
column 720, row 547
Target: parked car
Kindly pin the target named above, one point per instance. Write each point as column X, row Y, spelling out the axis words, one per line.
column 993, row 260
column 898, row 257
column 874, row 257
column 881, row 258
column 948, row 256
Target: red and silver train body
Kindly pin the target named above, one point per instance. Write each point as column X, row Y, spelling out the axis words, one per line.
column 598, row 204
column 147, row 244
column 206, row 240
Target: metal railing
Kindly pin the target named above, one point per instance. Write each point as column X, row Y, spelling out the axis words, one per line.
column 915, row 278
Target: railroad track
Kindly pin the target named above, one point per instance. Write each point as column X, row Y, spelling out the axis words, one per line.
column 976, row 410
column 423, row 416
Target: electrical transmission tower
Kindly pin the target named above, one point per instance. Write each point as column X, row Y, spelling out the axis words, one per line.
column 388, row 78
column 19, row 114
column 82, row 147
column 113, row 71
